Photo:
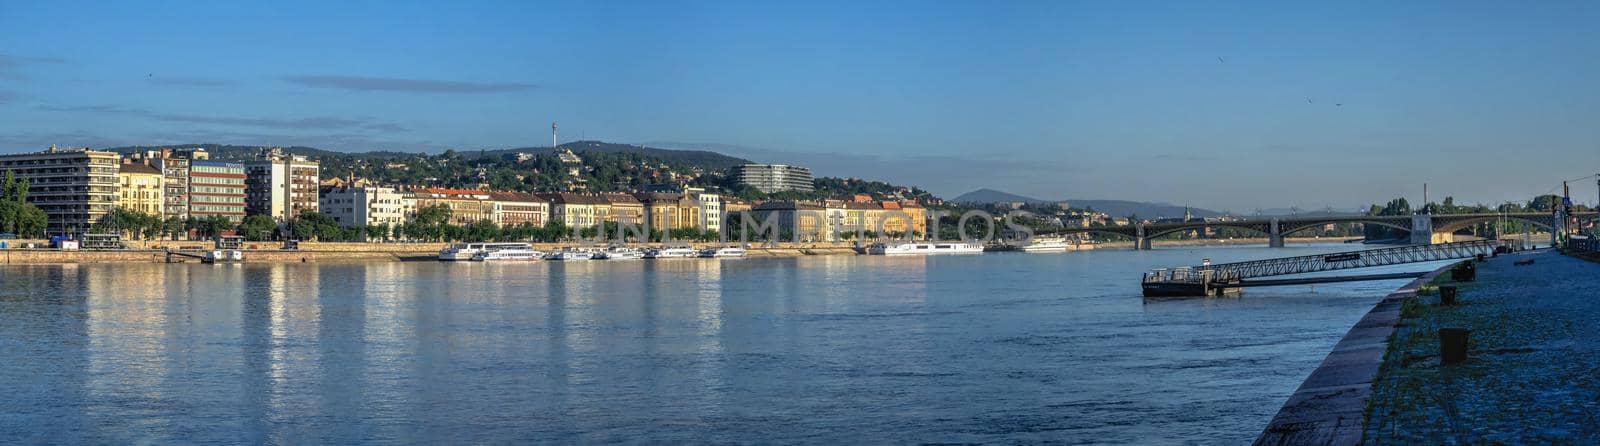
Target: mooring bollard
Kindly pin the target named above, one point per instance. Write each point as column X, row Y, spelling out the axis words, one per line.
column 1453, row 345
column 1447, row 295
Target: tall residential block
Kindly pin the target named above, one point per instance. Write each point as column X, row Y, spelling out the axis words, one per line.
column 281, row 185
column 216, row 188
column 770, row 178
column 74, row 187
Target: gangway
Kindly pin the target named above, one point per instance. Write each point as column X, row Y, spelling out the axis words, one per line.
column 1207, row 279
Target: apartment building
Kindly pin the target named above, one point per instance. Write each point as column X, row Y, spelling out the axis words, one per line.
column 216, row 188
column 281, row 185
column 74, row 187
column 770, row 178
column 467, row 206
column 577, row 210
column 366, row 205
column 140, row 188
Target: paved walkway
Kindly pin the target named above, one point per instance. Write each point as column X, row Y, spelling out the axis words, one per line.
column 1534, row 370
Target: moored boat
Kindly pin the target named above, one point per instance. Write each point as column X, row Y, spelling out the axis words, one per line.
column 724, row 252
column 619, row 253
column 570, row 254
column 510, row 254
column 679, row 252
column 466, row 251
column 924, row 248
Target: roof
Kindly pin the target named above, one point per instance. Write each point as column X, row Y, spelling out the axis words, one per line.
column 785, row 206
column 140, row 168
column 657, row 197
column 522, row 197
column 619, row 198
column 572, row 198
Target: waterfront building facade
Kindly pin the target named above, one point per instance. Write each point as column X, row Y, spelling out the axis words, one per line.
column 624, row 208
column 216, row 188
column 577, row 210
column 281, row 185
column 519, row 208
column 667, row 211
column 796, row 221
column 140, row 188
column 467, row 206
column 710, row 208
column 366, row 205
column 74, row 187
column 770, row 178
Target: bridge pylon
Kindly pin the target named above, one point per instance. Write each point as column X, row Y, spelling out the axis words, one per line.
column 1275, row 235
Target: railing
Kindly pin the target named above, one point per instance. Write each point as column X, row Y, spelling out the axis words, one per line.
column 1227, row 272
column 1583, row 244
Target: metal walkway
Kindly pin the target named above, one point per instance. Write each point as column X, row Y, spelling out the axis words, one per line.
column 1200, row 280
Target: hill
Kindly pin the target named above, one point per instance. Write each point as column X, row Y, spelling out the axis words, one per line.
column 993, row 196
column 704, row 159
column 1116, row 208
column 707, row 160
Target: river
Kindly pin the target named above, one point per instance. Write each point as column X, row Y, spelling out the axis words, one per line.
column 1005, row 347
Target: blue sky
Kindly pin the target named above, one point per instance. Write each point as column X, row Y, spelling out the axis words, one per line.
column 1226, row 106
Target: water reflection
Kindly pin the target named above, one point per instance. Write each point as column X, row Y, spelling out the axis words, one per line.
column 986, row 348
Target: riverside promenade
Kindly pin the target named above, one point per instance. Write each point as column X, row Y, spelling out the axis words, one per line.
column 1530, row 377
column 1533, row 369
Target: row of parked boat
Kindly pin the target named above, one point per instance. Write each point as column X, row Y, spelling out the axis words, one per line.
column 484, row 252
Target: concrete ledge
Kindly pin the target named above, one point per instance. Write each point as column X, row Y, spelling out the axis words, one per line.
column 1329, row 406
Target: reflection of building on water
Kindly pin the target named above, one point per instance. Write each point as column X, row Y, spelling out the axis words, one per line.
column 126, row 327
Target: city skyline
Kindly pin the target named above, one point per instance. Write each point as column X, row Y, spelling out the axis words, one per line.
column 1219, row 106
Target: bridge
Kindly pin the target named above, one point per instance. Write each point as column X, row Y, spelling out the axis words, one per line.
column 1208, row 279
column 1423, row 229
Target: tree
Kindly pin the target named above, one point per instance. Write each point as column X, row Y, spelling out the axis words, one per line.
column 257, row 228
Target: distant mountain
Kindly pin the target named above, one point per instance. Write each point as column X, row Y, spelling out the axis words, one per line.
column 993, row 196
column 1115, row 208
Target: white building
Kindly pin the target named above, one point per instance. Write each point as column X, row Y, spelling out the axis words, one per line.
column 280, row 185
column 710, row 208
column 769, row 178
column 357, row 206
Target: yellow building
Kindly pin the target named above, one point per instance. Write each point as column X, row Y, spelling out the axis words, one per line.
column 670, row 211
column 466, row 206
column 624, row 208
column 140, row 189
column 577, row 210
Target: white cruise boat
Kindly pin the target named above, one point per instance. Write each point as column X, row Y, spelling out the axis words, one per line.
column 569, row 254
column 509, row 254
column 924, row 248
column 466, row 251
column 619, row 254
column 680, row 252
column 730, row 251
column 1047, row 244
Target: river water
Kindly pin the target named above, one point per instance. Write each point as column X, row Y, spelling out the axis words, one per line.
column 984, row 348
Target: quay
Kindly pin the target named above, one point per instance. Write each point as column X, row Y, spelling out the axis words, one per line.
column 1528, row 377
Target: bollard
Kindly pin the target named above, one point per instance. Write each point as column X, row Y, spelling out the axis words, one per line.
column 1447, row 295
column 1480, row 257
column 1453, row 345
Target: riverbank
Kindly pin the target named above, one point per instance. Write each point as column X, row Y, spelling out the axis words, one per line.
column 1530, row 373
column 1328, row 406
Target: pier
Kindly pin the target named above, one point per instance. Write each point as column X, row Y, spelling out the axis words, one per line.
column 1219, row 278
